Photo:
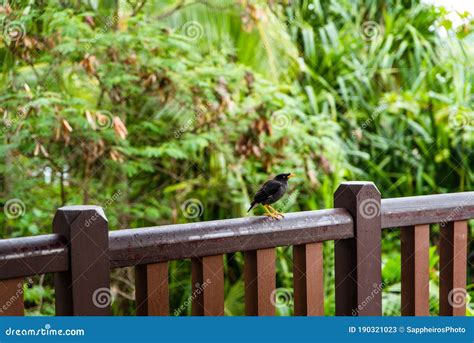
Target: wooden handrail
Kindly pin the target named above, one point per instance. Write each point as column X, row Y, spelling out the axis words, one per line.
column 172, row 242
column 33, row 255
column 28, row 256
column 427, row 209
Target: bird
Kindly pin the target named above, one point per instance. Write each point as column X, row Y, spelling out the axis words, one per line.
column 270, row 192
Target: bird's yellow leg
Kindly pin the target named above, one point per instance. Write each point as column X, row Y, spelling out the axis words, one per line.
column 275, row 211
column 268, row 213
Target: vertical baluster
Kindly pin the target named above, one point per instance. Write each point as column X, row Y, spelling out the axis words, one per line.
column 208, row 285
column 415, row 245
column 259, row 275
column 452, row 268
column 152, row 295
column 11, row 297
column 308, row 278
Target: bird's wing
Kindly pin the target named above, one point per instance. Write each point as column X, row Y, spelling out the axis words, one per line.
column 268, row 189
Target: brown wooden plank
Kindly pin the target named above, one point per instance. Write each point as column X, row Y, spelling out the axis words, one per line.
column 308, row 278
column 452, row 268
column 174, row 242
column 259, row 277
column 11, row 297
column 358, row 259
column 208, row 286
column 152, row 293
column 427, row 209
column 83, row 290
column 415, row 245
column 28, row 256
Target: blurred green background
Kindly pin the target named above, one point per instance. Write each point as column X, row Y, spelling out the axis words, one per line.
column 176, row 111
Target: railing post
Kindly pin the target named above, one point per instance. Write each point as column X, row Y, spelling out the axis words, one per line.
column 83, row 290
column 358, row 259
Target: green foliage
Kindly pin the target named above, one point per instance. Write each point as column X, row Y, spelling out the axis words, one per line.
column 141, row 109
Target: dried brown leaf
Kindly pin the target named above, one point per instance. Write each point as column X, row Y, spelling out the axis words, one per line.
column 90, row 119
column 37, row 149
column 66, row 125
column 43, row 151
column 120, row 128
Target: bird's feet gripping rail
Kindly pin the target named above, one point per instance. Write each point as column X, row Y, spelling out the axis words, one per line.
column 273, row 213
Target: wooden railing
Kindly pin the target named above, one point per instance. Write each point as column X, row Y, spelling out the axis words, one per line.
column 81, row 252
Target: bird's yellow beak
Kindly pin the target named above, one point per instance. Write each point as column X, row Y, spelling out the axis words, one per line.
column 291, row 175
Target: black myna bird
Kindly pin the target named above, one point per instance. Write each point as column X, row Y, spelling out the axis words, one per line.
column 270, row 192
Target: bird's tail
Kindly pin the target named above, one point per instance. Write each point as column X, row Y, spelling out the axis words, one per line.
column 251, row 206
